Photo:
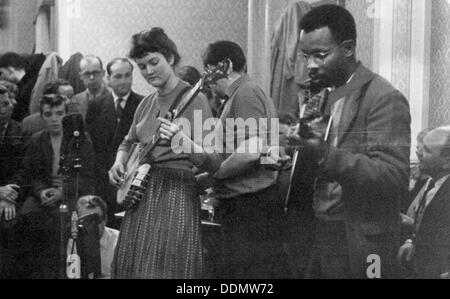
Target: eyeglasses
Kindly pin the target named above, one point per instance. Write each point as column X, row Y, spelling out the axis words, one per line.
column 319, row 57
column 93, row 73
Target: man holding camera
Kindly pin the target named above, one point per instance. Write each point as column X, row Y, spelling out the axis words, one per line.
column 361, row 153
column 87, row 206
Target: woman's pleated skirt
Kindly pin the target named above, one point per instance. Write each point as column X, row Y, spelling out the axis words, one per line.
column 161, row 239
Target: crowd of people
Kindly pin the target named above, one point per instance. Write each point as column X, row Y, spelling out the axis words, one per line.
column 336, row 193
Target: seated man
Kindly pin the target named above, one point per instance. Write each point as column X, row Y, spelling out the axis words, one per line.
column 108, row 237
column 34, row 122
column 10, row 146
column 41, row 168
column 10, row 153
column 427, row 251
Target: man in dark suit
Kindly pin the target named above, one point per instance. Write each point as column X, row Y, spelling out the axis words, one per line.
column 428, row 249
column 360, row 148
column 92, row 74
column 10, row 154
column 108, row 120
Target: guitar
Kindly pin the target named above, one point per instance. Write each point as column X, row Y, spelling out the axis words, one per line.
column 136, row 177
column 313, row 109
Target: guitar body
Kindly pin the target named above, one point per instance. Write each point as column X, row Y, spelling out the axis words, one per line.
column 131, row 169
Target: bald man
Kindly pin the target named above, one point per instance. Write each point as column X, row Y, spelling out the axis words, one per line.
column 92, row 74
column 427, row 251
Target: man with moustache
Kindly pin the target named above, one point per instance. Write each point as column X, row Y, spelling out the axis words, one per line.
column 108, row 120
column 361, row 161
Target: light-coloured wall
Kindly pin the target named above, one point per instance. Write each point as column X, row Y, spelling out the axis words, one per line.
column 105, row 27
column 440, row 64
column 360, row 10
column 18, row 33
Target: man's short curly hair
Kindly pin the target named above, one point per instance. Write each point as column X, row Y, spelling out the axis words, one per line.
column 339, row 20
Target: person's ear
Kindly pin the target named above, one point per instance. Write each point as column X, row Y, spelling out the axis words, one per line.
column 350, row 48
column 171, row 60
column 446, row 164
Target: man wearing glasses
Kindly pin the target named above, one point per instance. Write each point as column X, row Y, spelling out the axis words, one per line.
column 361, row 153
column 91, row 73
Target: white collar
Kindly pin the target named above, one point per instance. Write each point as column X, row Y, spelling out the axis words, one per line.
column 439, row 182
column 116, row 97
column 109, row 236
column 351, row 78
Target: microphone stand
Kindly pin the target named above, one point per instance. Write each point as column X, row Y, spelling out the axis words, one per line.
column 70, row 164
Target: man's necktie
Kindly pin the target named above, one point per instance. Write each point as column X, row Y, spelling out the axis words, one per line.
column 119, row 109
column 422, row 205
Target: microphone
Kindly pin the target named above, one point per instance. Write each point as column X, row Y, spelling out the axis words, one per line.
column 73, row 125
column 73, row 128
column 73, row 138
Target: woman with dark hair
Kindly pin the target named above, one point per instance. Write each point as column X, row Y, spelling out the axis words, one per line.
column 160, row 238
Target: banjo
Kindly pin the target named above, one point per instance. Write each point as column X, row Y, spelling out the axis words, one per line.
column 137, row 169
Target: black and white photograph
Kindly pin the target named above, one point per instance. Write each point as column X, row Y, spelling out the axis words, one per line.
column 224, row 145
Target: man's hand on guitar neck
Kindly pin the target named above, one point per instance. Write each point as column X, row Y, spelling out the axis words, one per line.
column 311, row 137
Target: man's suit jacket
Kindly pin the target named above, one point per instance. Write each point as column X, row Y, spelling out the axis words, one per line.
column 432, row 255
column 106, row 131
column 32, row 124
column 11, row 152
column 371, row 163
column 80, row 103
column 107, row 134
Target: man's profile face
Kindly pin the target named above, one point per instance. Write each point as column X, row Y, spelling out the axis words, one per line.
column 325, row 57
column 220, row 87
column 91, row 74
column 53, row 117
column 429, row 154
column 121, row 78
